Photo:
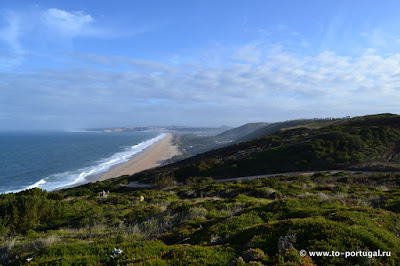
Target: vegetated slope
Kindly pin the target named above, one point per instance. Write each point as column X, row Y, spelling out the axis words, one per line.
column 265, row 221
column 192, row 144
column 275, row 127
column 369, row 143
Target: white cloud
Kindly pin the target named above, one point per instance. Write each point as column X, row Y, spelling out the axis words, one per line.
column 69, row 23
column 278, row 81
column 265, row 81
column 10, row 35
column 36, row 25
column 36, row 31
column 248, row 53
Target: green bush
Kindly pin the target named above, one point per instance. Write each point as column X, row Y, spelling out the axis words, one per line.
column 28, row 209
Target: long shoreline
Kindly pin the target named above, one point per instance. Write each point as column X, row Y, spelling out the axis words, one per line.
column 155, row 155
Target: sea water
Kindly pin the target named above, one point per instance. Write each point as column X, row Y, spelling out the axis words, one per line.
column 54, row 160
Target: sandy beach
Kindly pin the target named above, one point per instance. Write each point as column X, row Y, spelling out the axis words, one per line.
column 154, row 156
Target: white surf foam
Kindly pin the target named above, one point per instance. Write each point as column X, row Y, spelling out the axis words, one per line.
column 38, row 183
column 70, row 178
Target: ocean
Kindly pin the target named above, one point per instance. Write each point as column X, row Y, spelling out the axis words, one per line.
column 55, row 160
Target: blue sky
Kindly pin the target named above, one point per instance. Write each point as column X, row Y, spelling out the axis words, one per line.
column 79, row 64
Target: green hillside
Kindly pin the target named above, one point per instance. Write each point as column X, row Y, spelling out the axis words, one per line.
column 275, row 127
column 367, row 143
column 192, row 144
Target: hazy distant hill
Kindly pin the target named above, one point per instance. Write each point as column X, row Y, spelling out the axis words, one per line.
column 275, row 127
column 370, row 143
column 175, row 129
column 193, row 144
column 238, row 132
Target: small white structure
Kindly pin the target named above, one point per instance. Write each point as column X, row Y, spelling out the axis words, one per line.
column 103, row 194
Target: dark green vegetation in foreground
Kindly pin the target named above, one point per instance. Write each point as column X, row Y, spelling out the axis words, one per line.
column 204, row 222
column 363, row 143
